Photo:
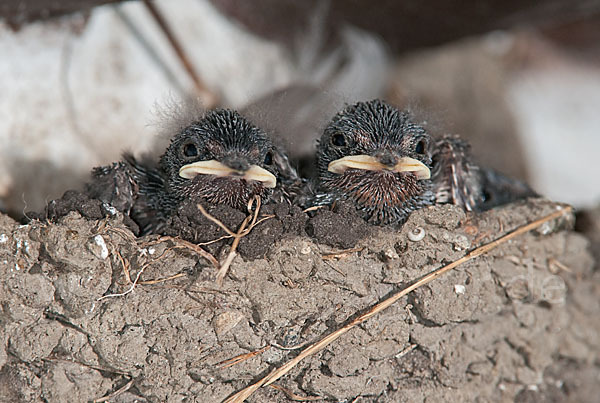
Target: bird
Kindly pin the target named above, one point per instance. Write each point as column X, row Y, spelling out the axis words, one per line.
column 377, row 158
column 220, row 157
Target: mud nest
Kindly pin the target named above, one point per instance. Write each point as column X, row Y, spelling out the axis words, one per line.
column 89, row 311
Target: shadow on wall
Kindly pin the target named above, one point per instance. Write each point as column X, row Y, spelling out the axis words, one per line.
column 44, row 183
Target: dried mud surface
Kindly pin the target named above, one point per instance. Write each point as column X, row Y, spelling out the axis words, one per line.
column 520, row 323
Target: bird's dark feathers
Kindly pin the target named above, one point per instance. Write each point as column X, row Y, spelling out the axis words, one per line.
column 150, row 193
column 380, row 130
column 115, row 185
column 376, row 129
column 458, row 180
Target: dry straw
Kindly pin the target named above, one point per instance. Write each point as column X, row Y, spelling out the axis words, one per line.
column 326, row 340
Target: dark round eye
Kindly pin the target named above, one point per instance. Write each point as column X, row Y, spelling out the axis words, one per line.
column 269, row 158
column 338, row 140
column 420, row 148
column 486, row 196
column 190, row 150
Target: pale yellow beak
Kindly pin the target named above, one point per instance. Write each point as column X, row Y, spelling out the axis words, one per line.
column 368, row 163
column 214, row 167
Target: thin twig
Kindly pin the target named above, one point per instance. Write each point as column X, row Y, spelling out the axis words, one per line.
column 96, row 367
column 325, row 341
column 296, row 347
column 129, row 290
column 214, row 240
column 555, row 262
column 162, row 280
column 251, row 202
column 230, row 233
column 215, row 220
column 313, row 208
column 208, row 97
column 137, row 277
column 263, row 218
column 405, row 351
column 116, row 393
column 242, row 357
column 236, row 241
column 126, row 235
column 125, row 266
column 340, row 254
column 296, row 397
column 247, row 225
column 185, row 244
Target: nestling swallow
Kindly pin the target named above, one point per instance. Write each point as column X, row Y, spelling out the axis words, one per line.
column 457, row 179
column 374, row 156
column 221, row 158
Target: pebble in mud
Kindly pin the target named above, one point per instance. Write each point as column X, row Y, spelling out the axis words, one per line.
column 461, row 242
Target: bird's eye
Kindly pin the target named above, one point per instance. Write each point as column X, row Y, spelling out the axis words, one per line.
column 486, row 196
column 269, row 158
column 190, row 150
column 338, row 140
column 420, row 148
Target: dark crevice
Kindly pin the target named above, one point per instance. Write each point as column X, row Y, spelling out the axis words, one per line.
column 521, row 351
column 415, row 310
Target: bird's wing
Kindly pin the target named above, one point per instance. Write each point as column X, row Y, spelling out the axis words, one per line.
column 499, row 189
column 152, row 203
column 115, row 185
column 455, row 177
column 458, row 180
column 290, row 185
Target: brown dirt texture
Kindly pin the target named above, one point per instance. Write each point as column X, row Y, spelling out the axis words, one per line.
column 520, row 323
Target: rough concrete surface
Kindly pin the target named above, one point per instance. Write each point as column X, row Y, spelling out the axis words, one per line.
column 519, row 323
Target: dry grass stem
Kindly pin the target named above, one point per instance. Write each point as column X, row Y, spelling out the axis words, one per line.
column 247, row 225
column 215, row 220
column 232, row 252
column 263, row 218
column 137, row 277
column 335, row 269
column 295, row 397
column 313, row 208
column 129, row 290
column 242, row 357
column 193, row 247
column 405, row 351
column 162, row 280
column 116, row 393
column 326, row 340
column 556, row 263
column 340, row 254
column 296, row 347
column 125, row 266
column 214, row 240
column 127, row 235
column 96, row 367
column 209, row 98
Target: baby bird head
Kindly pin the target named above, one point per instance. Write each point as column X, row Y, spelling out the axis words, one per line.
column 374, row 156
column 222, row 158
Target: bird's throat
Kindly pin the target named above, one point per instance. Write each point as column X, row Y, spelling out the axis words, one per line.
column 377, row 194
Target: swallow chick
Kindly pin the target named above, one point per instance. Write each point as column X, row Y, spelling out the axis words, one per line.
column 221, row 158
column 457, row 179
column 374, row 156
